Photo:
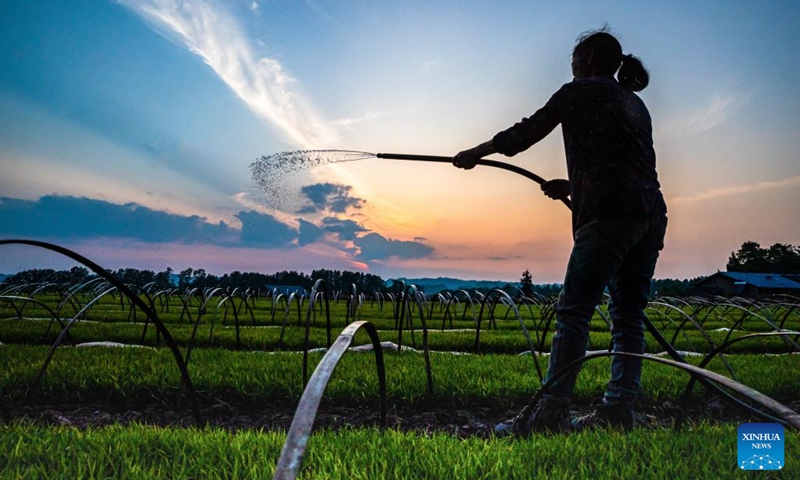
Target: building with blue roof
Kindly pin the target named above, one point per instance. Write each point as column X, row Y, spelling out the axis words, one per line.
column 283, row 289
column 748, row 284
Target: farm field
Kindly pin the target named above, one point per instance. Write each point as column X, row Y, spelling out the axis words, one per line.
column 112, row 401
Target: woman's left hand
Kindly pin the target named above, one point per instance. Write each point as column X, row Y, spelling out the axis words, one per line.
column 557, row 189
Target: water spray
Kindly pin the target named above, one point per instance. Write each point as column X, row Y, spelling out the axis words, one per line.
column 267, row 169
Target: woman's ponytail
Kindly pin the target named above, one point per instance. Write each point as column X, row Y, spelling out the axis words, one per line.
column 632, row 75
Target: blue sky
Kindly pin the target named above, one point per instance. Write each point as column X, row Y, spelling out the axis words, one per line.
column 127, row 129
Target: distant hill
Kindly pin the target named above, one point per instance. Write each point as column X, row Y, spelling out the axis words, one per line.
column 3, row 276
column 435, row 285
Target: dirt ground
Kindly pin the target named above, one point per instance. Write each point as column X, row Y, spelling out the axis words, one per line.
column 252, row 414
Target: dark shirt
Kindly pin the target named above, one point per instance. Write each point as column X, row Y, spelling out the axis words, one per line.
column 608, row 139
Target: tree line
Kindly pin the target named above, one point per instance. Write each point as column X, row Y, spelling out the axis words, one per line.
column 752, row 258
column 662, row 287
column 198, row 278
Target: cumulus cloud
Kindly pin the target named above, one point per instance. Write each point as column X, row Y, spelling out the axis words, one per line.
column 309, row 232
column 329, row 197
column 80, row 218
column 345, row 228
column 72, row 218
column 377, row 247
column 263, row 84
column 263, row 230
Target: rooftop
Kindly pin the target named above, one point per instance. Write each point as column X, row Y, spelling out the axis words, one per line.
column 763, row 280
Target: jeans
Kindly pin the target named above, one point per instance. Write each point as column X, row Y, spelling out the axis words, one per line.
column 620, row 255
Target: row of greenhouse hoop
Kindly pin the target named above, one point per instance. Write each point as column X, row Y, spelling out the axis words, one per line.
column 403, row 302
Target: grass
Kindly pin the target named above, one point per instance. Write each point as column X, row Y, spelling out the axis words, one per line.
column 221, row 371
column 138, row 451
column 90, row 373
column 110, row 309
column 507, row 338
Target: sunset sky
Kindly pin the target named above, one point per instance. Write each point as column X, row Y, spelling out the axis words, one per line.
column 127, row 131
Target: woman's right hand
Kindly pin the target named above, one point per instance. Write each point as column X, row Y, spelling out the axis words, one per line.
column 557, row 189
column 469, row 158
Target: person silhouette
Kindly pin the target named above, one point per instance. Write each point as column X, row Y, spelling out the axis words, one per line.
column 619, row 220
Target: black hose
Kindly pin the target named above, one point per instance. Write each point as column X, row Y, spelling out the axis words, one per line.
column 483, row 161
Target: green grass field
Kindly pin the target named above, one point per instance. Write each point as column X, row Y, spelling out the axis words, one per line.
column 140, row 451
column 262, row 370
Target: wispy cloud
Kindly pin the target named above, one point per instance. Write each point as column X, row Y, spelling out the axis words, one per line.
column 213, row 34
column 791, row 182
column 428, row 65
column 322, row 13
column 713, row 113
column 345, row 122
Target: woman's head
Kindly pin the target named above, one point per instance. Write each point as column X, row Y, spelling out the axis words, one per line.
column 599, row 53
